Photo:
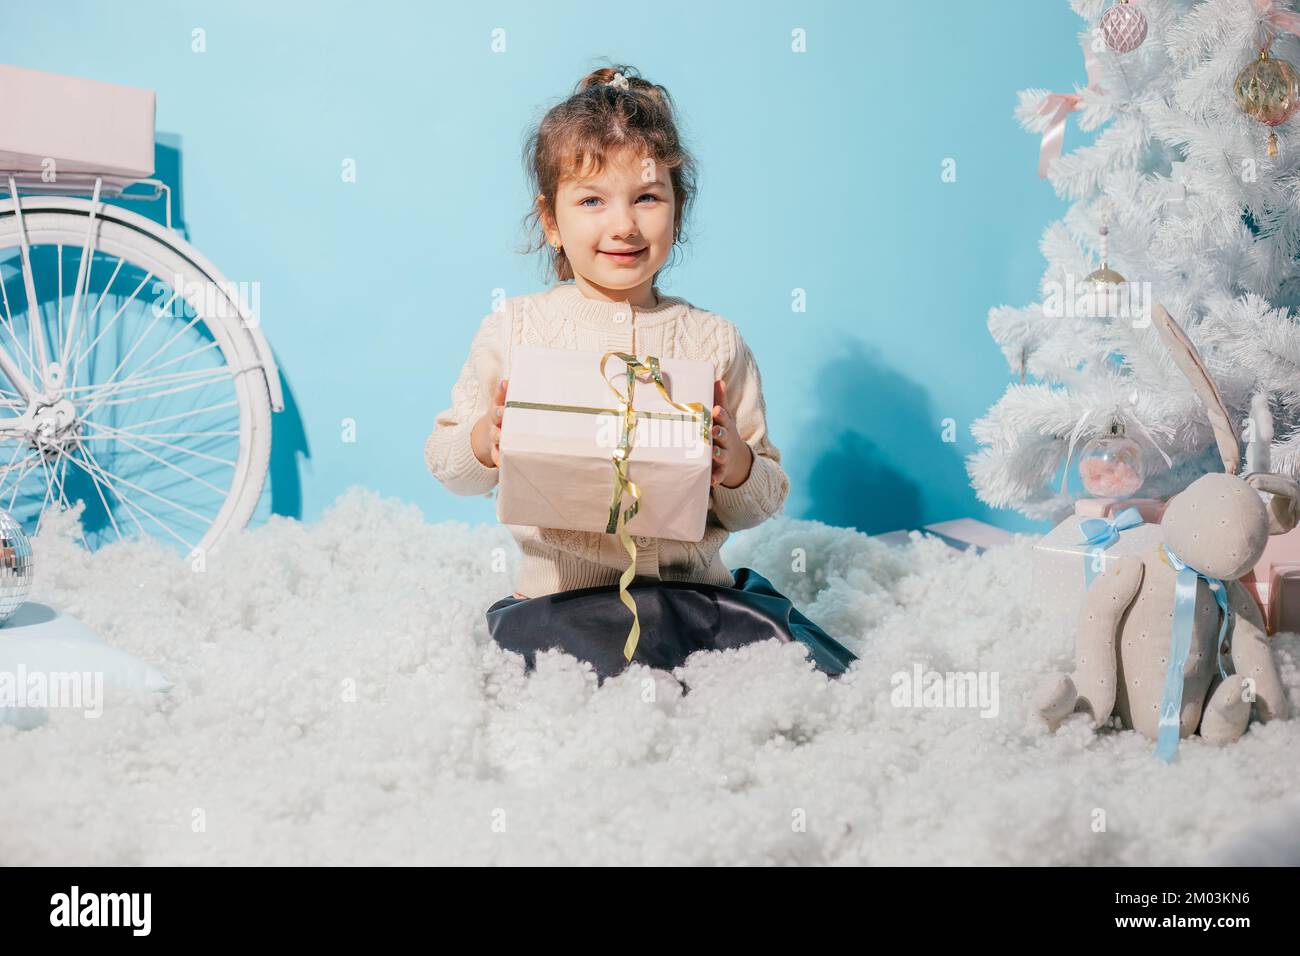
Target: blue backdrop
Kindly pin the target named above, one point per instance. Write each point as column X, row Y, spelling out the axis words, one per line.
column 820, row 170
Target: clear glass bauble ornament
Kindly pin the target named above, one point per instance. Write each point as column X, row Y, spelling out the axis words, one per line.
column 1268, row 90
column 1124, row 27
column 16, row 565
column 1110, row 465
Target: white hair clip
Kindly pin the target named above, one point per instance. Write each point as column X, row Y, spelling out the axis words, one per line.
column 619, row 80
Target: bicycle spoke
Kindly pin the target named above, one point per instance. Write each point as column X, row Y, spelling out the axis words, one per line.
column 129, row 506
column 234, row 433
column 9, row 327
column 58, row 264
column 162, row 461
column 91, row 388
column 143, row 365
column 28, row 465
column 90, row 466
column 49, row 489
column 111, row 322
column 90, row 463
column 18, row 447
column 158, row 314
column 85, row 266
column 54, row 478
column 141, row 398
column 102, row 391
column 107, row 510
column 116, row 433
column 170, row 418
column 146, row 491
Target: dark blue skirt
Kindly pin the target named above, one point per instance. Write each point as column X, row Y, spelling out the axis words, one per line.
column 677, row 619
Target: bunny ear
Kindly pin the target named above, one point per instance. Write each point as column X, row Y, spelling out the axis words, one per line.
column 1190, row 364
column 1284, row 499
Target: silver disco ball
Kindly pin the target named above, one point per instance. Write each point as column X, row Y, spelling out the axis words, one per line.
column 16, row 565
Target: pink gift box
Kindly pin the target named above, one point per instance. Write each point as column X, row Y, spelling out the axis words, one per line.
column 556, row 467
column 1151, row 509
column 1275, row 582
column 82, row 125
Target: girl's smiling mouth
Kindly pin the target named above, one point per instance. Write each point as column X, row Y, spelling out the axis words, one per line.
column 623, row 256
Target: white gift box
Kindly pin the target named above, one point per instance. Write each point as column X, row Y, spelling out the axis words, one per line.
column 966, row 533
column 1058, row 567
column 84, row 126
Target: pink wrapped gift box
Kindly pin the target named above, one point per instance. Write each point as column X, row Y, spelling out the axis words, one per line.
column 1151, row 509
column 82, row 125
column 1275, row 582
column 556, row 469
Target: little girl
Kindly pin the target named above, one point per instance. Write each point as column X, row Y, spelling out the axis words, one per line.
column 613, row 184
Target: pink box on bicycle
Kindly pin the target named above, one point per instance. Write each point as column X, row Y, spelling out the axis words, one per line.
column 81, row 125
column 561, row 430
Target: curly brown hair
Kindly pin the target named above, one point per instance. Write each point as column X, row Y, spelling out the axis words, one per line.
column 582, row 131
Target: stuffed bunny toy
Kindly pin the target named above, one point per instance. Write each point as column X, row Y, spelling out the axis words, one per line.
column 1180, row 601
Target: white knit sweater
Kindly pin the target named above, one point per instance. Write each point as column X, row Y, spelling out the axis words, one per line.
column 562, row 317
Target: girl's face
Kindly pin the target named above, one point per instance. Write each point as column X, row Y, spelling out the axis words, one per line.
column 628, row 208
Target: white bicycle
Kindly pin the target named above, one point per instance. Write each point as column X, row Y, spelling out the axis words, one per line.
column 133, row 375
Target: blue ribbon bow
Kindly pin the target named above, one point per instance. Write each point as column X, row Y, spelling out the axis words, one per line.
column 1171, row 702
column 1100, row 534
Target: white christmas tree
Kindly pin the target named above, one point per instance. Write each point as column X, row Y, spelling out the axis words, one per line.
column 1200, row 218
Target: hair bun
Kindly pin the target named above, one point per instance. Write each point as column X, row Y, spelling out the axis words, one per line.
column 629, row 78
column 606, row 75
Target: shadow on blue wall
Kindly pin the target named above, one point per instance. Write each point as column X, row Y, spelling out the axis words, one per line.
column 166, row 167
column 288, row 442
column 878, row 447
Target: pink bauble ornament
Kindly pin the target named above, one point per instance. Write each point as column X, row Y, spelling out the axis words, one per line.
column 1124, row 27
column 1269, row 90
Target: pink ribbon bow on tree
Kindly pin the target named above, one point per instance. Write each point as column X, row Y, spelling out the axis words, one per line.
column 1060, row 105
column 1283, row 20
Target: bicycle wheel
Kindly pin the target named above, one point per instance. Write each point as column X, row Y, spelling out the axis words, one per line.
column 150, row 403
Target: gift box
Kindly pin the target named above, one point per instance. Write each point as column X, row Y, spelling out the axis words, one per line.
column 966, row 533
column 1275, row 582
column 82, row 125
column 561, row 433
column 1151, row 509
column 1064, row 557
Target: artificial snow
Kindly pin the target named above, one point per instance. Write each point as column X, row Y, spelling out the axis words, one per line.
column 335, row 700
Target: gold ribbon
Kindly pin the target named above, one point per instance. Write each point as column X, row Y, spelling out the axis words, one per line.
column 617, row 524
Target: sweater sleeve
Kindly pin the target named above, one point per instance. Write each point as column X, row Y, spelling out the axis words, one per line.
column 763, row 493
column 448, row 451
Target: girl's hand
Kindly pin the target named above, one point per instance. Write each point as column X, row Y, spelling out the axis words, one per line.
column 485, row 439
column 732, row 456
